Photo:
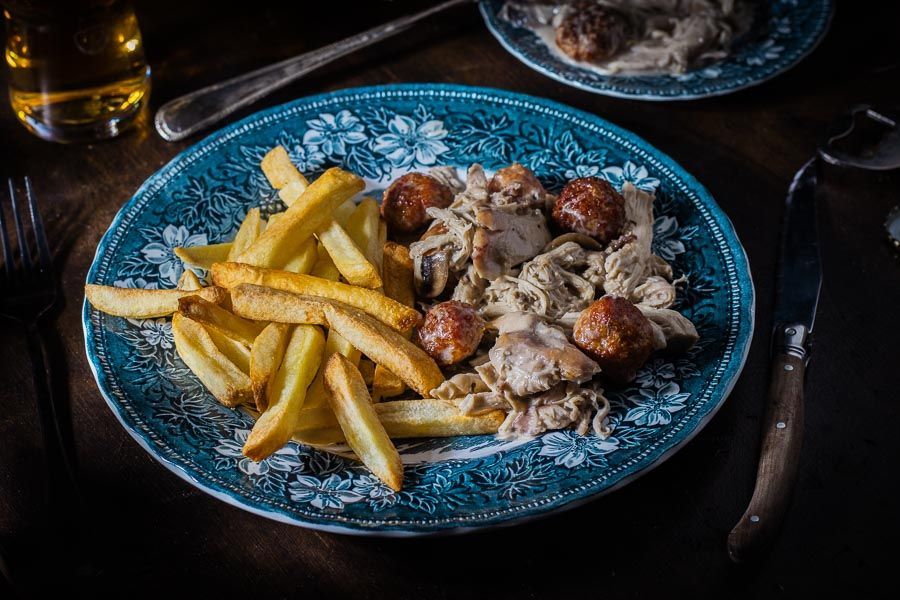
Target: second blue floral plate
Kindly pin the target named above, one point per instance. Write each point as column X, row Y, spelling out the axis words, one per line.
column 785, row 31
column 450, row 484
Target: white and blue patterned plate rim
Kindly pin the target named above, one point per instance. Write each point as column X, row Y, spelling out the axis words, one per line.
column 727, row 374
column 550, row 67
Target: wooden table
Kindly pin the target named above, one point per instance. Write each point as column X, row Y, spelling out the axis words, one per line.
column 158, row 534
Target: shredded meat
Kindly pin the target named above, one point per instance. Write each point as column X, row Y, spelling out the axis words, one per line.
column 628, row 266
column 507, row 235
column 470, row 288
column 557, row 284
column 656, row 292
column 530, row 356
column 672, row 330
column 490, row 241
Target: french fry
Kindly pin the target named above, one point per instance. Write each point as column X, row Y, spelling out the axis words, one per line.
column 265, row 358
column 342, row 213
column 397, row 269
column 335, row 344
column 362, row 226
column 288, row 391
column 348, row 258
column 267, row 304
column 145, row 304
column 382, row 232
column 402, row 318
column 324, row 267
column 233, row 350
column 385, row 346
column 251, row 228
column 385, row 384
column 189, row 281
column 216, row 317
column 318, row 393
column 401, row 419
column 367, row 370
column 364, row 432
column 280, row 171
column 305, row 259
column 222, row 378
column 311, row 211
column 203, row 256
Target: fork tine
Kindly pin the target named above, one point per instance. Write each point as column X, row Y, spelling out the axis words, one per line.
column 20, row 230
column 7, row 250
column 38, row 227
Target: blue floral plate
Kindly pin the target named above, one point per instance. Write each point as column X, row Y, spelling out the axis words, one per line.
column 784, row 34
column 450, row 484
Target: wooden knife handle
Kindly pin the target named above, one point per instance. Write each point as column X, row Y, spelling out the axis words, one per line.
column 782, row 437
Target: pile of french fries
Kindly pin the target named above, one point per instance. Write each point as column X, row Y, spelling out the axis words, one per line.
column 307, row 325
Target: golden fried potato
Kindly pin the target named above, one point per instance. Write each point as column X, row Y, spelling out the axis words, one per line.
column 312, row 210
column 347, row 257
column 189, row 281
column 251, row 228
column 364, row 432
column 280, row 171
column 265, row 358
column 145, row 304
column 385, row 346
column 259, row 303
column 203, row 256
column 402, row 318
column 216, row 317
column 222, row 378
column 401, row 419
column 277, row 423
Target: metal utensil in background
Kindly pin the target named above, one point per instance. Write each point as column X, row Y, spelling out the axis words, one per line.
column 184, row 116
column 28, row 292
column 875, row 150
column 797, row 294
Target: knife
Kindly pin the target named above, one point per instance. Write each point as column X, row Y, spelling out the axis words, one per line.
column 797, row 294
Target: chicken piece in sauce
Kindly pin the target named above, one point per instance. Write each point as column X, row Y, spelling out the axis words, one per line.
column 530, row 356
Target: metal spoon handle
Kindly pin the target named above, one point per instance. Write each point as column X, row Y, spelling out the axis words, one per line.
column 184, row 116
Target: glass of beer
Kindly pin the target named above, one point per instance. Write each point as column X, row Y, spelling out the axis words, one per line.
column 76, row 67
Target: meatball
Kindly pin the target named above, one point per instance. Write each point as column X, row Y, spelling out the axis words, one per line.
column 529, row 186
column 591, row 32
column 591, row 206
column 617, row 335
column 451, row 331
column 403, row 204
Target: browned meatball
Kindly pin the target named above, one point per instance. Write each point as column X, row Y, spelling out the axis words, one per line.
column 451, row 331
column 529, row 186
column 613, row 332
column 403, row 204
column 591, row 206
column 591, row 32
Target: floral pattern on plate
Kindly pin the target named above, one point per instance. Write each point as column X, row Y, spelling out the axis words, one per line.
column 450, row 483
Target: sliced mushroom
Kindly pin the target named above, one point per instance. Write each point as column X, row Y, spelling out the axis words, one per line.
column 579, row 238
column 432, row 271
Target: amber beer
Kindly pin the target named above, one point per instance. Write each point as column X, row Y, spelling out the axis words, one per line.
column 76, row 67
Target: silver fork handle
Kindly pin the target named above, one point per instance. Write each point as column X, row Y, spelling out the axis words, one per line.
column 184, row 116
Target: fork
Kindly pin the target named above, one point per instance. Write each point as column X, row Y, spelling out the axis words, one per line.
column 28, row 291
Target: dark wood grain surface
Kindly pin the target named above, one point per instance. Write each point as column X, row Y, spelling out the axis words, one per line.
column 661, row 535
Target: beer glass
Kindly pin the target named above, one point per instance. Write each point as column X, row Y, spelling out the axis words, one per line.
column 76, row 67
